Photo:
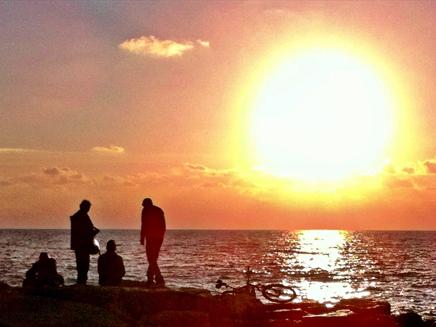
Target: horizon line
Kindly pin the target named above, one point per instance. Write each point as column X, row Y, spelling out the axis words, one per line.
column 236, row 229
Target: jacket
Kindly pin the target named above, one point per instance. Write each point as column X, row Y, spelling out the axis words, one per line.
column 152, row 223
column 82, row 231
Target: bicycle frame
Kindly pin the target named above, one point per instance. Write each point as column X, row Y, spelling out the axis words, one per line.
column 273, row 292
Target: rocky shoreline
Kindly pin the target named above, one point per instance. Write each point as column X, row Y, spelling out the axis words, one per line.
column 134, row 305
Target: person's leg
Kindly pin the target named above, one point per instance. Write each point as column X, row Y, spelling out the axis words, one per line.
column 59, row 280
column 151, row 261
column 86, row 260
column 78, row 266
column 82, row 262
column 159, row 279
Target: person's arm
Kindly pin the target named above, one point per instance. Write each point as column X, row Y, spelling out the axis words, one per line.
column 94, row 230
column 141, row 240
column 31, row 272
column 123, row 270
column 99, row 266
column 72, row 234
column 53, row 267
column 163, row 226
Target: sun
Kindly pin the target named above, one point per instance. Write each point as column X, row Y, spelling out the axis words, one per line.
column 322, row 115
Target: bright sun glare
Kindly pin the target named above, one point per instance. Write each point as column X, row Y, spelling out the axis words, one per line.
column 323, row 115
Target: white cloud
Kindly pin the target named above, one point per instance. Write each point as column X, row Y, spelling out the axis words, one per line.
column 204, row 44
column 110, row 149
column 154, row 47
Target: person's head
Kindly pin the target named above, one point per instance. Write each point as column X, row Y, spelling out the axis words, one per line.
column 43, row 256
column 85, row 205
column 111, row 246
column 147, row 202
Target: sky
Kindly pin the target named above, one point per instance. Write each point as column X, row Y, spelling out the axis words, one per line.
column 117, row 101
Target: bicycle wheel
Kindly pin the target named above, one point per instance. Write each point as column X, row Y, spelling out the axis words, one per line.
column 278, row 293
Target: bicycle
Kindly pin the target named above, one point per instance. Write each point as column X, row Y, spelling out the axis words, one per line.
column 277, row 293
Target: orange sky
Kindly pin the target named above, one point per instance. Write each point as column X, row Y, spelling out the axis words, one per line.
column 118, row 101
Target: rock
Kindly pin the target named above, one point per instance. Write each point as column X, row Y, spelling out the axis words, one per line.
column 364, row 305
column 355, row 320
column 410, row 319
column 176, row 318
column 19, row 309
column 139, row 306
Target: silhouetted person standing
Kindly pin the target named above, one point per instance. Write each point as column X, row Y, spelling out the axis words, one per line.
column 43, row 273
column 153, row 231
column 82, row 238
column 110, row 266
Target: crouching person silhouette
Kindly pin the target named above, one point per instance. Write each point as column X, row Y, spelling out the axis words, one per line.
column 153, row 231
column 110, row 266
column 43, row 274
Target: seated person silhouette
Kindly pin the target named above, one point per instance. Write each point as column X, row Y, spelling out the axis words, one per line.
column 110, row 266
column 43, row 273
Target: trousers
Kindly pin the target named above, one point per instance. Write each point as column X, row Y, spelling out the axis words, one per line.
column 82, row 264
column 152, row 249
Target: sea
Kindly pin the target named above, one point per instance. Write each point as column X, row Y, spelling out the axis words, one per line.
column 321, row 265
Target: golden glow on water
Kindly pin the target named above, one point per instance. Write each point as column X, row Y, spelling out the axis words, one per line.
column 320, row 254
column 325, row 243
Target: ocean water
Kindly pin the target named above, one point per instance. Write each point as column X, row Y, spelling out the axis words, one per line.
column 326, row 266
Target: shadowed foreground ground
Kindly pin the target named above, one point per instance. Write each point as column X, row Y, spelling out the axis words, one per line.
column 137, row 306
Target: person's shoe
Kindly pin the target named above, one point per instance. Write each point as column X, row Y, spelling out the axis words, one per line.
column 149, row 283
column 160, row 282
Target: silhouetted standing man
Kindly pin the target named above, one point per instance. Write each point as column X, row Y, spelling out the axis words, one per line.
column 82, row 238
column 153, row 231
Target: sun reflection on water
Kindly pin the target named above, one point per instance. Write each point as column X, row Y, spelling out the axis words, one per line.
column 322, row 275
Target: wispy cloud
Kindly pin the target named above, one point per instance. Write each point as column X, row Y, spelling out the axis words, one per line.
column 190, row 175
column 415, row 168
column 17, row 150
column 154, row 47
column 47, row 177
column 430, row 166
column 419, row 175
column 115, row 149
column 64, row 175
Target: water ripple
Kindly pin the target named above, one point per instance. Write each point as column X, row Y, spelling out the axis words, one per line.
column 399, row 267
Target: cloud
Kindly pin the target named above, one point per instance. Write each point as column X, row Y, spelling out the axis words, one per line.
column 188, row 176
column 409, row 170
column 430, row 166
column 194, row 167
column 5, row 182
column 51, row 171
column 64, row 175
column 419, row 175
column 277, row 12
column 416, row 168
column 154, row 47
column 204, row 44
column 395, row 183
column 219, row 178
column 16, row 150
column 47, row 177
column 115, row 149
